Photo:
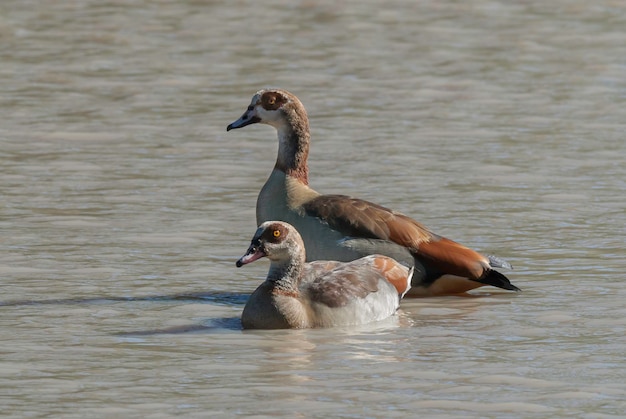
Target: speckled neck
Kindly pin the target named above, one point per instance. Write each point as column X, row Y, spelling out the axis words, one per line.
column 286, row 273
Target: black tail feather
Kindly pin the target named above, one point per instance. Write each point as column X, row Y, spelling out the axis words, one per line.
column 496, row 279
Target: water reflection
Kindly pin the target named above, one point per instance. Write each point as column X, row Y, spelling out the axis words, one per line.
column 210, row 325
column 228, row 298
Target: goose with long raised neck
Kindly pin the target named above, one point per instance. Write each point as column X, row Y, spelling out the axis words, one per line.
column 298, row 295
column 340, row 227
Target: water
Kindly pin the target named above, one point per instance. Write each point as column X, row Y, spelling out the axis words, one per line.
column 125, row 204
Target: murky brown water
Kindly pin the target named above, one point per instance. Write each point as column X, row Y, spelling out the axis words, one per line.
column 125, row 204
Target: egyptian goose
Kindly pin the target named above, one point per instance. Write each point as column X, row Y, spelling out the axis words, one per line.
column 343, row 228
column 299, row 295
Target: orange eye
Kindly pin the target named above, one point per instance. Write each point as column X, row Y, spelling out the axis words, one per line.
column 271, row 101
column 276, row 233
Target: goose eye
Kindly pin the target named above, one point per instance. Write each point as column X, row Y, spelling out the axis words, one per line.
column 276, row 233
column 272, row 101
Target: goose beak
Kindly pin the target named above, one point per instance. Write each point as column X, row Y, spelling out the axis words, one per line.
column 249, row 117
column 254, row 253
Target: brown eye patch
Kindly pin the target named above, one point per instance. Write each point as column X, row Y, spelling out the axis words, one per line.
column 272, row 100
column 274, row 233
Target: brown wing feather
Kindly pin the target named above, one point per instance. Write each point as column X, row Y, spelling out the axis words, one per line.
column 358, row 218
column 394, row 272
column 318, row 268
column 343, row 284
column 453, row 258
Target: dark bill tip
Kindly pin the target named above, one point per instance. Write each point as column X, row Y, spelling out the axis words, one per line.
column 253, row 253
column 243, row 122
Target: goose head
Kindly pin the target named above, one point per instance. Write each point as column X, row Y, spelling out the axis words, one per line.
column 275, row 107
column 278, row 241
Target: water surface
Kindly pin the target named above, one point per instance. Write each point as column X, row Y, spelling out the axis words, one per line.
column 125, row 204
